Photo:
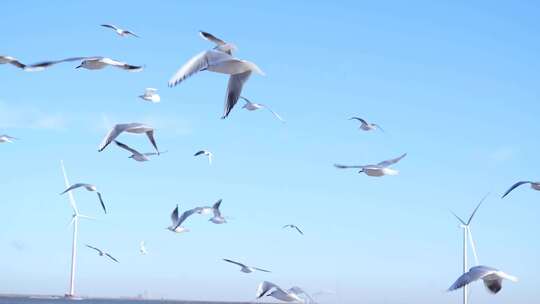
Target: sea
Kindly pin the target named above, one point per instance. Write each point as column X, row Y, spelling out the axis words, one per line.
column 61, row 300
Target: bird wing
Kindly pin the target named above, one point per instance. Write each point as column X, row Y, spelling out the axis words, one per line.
column 260, row 269
column 196, row 64
column 110, row 26
column 234, row 89
column 514, row 186
column 298, row 229
column 111, row 257
column 199, row 153
column 185, row 215
column 150, row 135
column 271, row 111
column 299, row 291
column 236, row 263
column 120, row 64
column 211, row 38
column 126, row 147
column 12, row 61
column 45, row 64
column 474, row 274
column 389, row 162
column 131, row 33
column 347, row 167
column 96, row 249
column 264, row 287
column 113, row 133
column 174, row 216
column 101, row 202
column 74, row 186
column 378, row 127
column 359, row 119
column 215, row 208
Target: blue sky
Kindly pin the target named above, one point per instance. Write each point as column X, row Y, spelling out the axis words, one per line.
column 453, row 83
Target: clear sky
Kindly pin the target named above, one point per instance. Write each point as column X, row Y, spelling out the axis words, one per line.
column 453, row 83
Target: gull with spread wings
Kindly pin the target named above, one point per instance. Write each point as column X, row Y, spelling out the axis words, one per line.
column 121, row 32
column 88, row 187
column 134, row 127
column 245, row 268
column 102, row 253
column 379, row 169
column 136, row 155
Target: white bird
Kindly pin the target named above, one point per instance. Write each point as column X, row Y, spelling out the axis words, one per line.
column 205, row 153
column 379, row 169
column 534, row 185
column 217, row 218
column 221, row 45
column 102, row 253
column 90, row 63
column 245, row 268
column 294, row 227
column 177, row 221
column 367, row 126
column 11, row 60
column 252, row 106
column 150, row 94
column 272, row 290
column 7, row 139
column 136, row 155
column 142, row 248
column 88, row 187
column 119, row 31
column 219, row 62
column 492, row 278
column 134, row 127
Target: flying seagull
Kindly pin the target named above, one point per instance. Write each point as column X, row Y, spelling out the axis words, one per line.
column 119, row 31
column 245, row 268
column 205, row 153
column 492, row 278
column 142, row 248
column 11, row 60
column 135, row 128
column 102, row 253
column 90, row 63
column 136, row 155
column 177, row 221
column 294, row 227
column 7, row 139
column 366, row 126
column 219, row 62
column 221, row 45
column 534, row 185
column 90, row 188
column 150, row 94
column 379, row 169
column 252, row 106
column 292, row 295
column 217, row 218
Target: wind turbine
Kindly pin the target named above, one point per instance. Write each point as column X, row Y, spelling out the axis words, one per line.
column 75, row 223
column 467, row 238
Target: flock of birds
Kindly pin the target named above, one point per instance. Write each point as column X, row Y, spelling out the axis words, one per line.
column 220, row 59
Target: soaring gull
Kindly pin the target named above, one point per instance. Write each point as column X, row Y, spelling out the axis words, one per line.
column 102, row 253
column 492, row 278
column 88, row 187
column 367, row 126
column 205, row 153
column 136, row 155
column 134, row 127
column 379, row 169
column 292, row 295
column 294, row 227
column 90, row 63
column 7, row 139
column 119, row 31
column 245, row 268
column 252, row 106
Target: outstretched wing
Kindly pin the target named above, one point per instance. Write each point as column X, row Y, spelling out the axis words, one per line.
column 111, row 257
column 272, row 111
column 101, row 202
column 298, row 229
column 196, row 64
column 234, row 89
column 233, row 262
column 211, row 38
column 390, row 162
column 260, row 269
column 126, row 147
column 514, row 186
column 265, row 287
column 113, row 134
column 359, row 119
column 174, row 216
column 199, row 153
column 96, row 249
column 74, row 186
column 131, row 33
column 45, row 64
column 185, row 215
column 215, row 208
column 347, row 167
column 472, row 275
column 110, row 26
column 150, row 135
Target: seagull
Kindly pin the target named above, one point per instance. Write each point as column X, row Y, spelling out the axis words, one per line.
column 252, row 106
column 205, row 153
column 492, row 278
column 11, row 60
column 534, row 185
column 245, row 268
column 142, row 249
column 219, row 62
column 7, row 139
column 367, row 126
column 102, row 253
column 217, row 218
column 134, row 127
column 90, row 63
column 294, row 227
column 177, row 221
column 136, row 155
column 221, row 45
column 272, row 290
column 151, row 95
column 119, row 31
column 90, row 188
column 379, row 169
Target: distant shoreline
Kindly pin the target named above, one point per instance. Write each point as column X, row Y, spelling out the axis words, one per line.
column 61, row 297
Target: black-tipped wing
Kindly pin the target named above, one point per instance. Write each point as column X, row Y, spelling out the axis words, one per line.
column 150, row 135
column 359, row 119
column 101, row 202
column 514, row 186
column 126, row 147
column 74, row 186
column 111, row 257
column 234, row 89
column 110, row 26
column 131, row 33
column 215, row 208
column 236, row 263
column 199, row 153
column 96, row 249
column 260, row 269
column 211, row 38
column 174, row 216
column 347, row 167
column 46, row 64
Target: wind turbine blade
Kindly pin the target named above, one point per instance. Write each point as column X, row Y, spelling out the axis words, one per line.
column 476, row 209
column 86, row 217
column 70, row 193
column 473, row 245
column 459, row 219
column 71, row 222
